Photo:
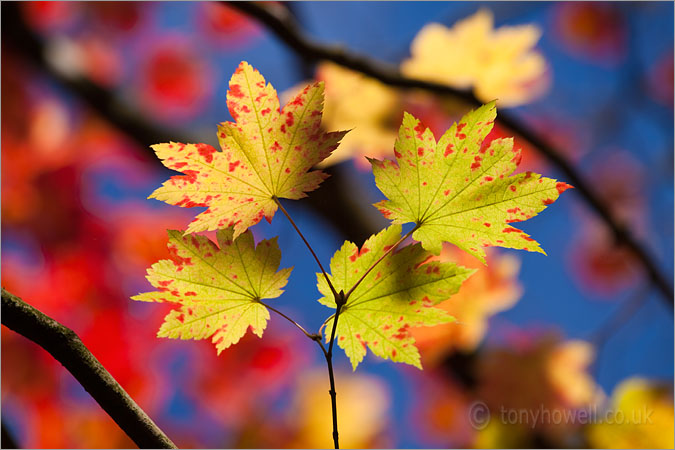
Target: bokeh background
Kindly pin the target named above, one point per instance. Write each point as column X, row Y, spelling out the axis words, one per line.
column 87, row 87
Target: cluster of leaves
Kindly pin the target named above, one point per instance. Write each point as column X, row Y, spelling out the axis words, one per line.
column 495, row 62
column 459, row 189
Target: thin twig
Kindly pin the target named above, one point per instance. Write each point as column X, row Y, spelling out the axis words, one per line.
column 391, row 249
column 67, row 348
column 309, row 335
column 618, row 319
column 325, row 322
column 282, row 24
column 623, row 314
column 281, row 207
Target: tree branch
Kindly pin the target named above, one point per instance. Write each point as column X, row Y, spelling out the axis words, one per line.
column 67, row 348
column 281, row 23
column 328, row 201
column 7, row 440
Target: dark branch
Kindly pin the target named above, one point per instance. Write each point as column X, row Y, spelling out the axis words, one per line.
column 7, row 440
column 21, row 39
column 67, row 348
column 619, row 318
column 329, row 201
column 278, row 20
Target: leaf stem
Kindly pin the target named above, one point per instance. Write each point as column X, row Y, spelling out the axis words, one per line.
column 309, row 335
column 391, row 249
column 340, row 300
column 325, row 322
column 281, row 207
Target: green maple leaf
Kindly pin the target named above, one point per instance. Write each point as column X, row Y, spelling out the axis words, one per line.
column 398, row 294
column 266, row 154
column 218, row 288
column 459, row 190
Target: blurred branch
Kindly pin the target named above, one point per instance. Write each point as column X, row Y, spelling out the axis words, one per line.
column 615, row 322
column 67, row 348
column 329, row 201
column 18, row 37
column 278, row 20
column 623, row 314
column 7, row 440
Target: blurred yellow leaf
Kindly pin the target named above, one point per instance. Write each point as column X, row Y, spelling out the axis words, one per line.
column 640, row 416
column 491, row 289
column 498, row 63
column 362, row 415
column 566, row 371
column 502, row 435
column 361, row 104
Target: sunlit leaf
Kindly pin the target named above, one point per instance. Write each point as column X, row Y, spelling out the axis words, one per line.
column 398, row 294
column 218, row 288
column 461, row 190
column 267, row 153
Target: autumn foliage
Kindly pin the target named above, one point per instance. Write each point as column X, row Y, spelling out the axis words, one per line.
column 414, row 204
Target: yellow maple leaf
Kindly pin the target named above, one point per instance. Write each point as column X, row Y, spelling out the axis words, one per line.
column 266, row 154
column 498, row 63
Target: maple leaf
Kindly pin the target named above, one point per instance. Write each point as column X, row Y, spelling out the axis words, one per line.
column 363, row 105
column 461, row 190
column 266, row 154
column 398, row 294
column 360, row 104
column 498, row 63
column 218, row 288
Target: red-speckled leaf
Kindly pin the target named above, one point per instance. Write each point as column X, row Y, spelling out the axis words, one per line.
column 266, row 153
column 218, row 287
column 398, row 294
column 461, row 190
